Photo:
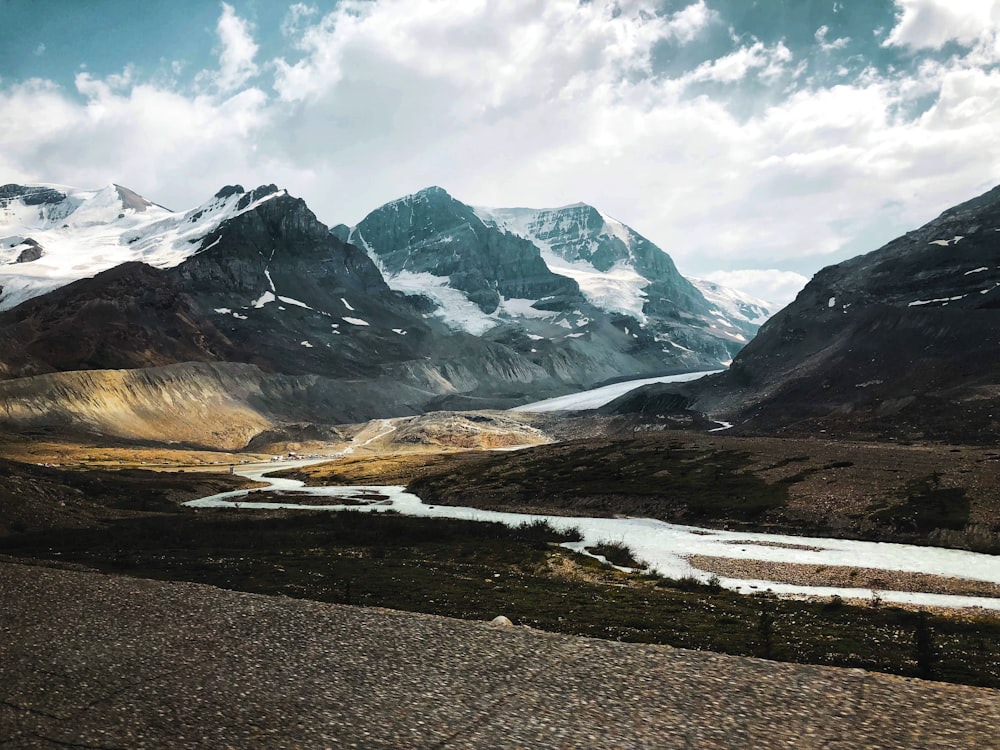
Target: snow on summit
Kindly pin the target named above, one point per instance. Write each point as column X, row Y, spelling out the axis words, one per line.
column 735, row 303
column 52, row 235
column 574, row 241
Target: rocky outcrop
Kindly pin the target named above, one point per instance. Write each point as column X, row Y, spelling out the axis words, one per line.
column 283, row 238
column 31, row 251
column 280, row 285
column 30, row 195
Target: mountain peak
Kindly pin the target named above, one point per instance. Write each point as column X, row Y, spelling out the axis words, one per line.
column 228, row 190
column 433, row 192
column 79, row 233
column 257, row 194
column 558, row 273
column 895, row 342
column 131, row 199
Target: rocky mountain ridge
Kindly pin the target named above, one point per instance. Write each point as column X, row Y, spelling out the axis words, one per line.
column 902, row 342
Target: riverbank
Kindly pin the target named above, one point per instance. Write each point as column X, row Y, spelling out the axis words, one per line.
column 475, row 569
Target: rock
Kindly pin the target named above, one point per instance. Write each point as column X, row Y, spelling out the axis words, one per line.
column 228, row 190
column 501, row 622
column 32, row 196
column 32, row 252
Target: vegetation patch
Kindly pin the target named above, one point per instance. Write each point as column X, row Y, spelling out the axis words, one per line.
column 929, row 506
column 643, row 477
column 619, row 554
column 777, row 485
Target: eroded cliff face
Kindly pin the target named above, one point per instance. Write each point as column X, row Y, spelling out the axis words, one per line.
column 225, row 405
column 203, row 405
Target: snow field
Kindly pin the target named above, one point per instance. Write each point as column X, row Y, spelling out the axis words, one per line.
column 94, row 230
column 598, row 397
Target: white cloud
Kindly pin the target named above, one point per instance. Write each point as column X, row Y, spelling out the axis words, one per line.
column 39, row 50
column 777, row 287
column 825, row 44
column 297, row 13
column 150, row 138
column 493, row 54
column 688, row 23
column 540, row 102
column 930, row 24
column 236, row 52
column 768, row 62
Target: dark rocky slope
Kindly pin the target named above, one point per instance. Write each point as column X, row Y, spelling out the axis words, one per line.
column 131, row 316
column 902, row 342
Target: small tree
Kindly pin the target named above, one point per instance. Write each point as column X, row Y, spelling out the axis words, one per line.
column 925, row 645
column 766, row 622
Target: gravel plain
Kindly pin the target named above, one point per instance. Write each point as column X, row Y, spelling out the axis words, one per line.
column 97, row 661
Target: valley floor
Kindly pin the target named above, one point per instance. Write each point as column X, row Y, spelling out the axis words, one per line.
column 928, row 494
column 131, row 522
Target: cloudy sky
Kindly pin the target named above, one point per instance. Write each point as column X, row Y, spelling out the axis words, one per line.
column 754, row 141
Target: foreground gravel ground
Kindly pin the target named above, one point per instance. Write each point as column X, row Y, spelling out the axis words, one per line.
column 95, row 661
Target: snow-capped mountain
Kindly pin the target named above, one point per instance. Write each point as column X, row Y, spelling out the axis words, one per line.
column 494, row 271
column 248, row 299
column 612, row 264
column 619, row 270
column 51, row 235
column 250, row 295
column 738, row 306
column 432, row 245
column 250, row 277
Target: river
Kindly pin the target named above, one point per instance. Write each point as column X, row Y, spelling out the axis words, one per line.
column 664, row 546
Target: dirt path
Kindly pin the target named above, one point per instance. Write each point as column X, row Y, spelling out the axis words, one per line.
column 89, row 660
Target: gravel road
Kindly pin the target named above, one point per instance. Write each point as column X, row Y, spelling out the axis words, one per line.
column 96, row 661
